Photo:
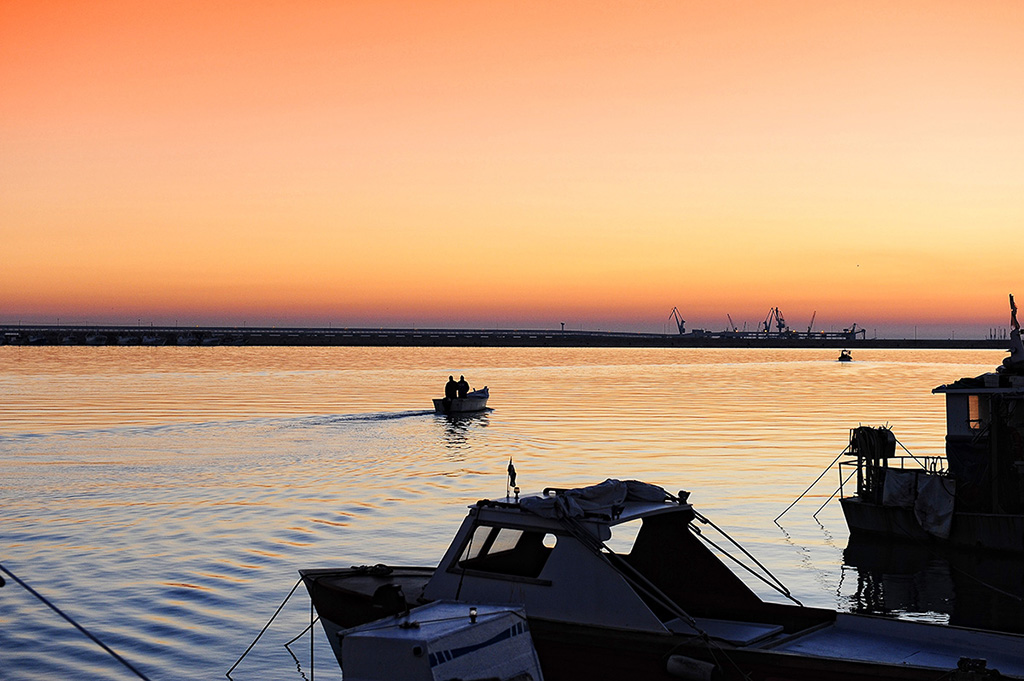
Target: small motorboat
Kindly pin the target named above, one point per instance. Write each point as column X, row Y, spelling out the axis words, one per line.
column 471, row 402
column 664, row 606
column 845, row 356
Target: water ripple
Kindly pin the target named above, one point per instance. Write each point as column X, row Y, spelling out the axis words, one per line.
column 168, row 498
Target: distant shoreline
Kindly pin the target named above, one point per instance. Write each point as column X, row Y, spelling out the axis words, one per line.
column 364, row 337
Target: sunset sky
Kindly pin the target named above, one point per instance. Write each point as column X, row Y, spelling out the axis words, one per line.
column 513, row 164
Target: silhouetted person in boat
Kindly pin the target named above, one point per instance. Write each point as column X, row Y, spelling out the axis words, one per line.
column 462, row 386
column 451, row 390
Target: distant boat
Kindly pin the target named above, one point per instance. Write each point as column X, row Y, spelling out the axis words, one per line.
column 474, row 401
column 845, row 356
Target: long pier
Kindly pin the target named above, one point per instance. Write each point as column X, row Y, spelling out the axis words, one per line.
column 99, row 335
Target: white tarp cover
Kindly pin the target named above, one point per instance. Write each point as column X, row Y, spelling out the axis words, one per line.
column 934, row 506
column 600, row 498
column 899, row 487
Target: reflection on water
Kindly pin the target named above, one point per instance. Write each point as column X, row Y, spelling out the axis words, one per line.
column 459, row 427
column 965, row 588
column 167, row 496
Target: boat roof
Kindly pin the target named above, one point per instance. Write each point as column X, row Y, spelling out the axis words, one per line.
column 610, row 503
column 989, row 383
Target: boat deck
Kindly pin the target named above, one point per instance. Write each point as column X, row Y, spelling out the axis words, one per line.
column 871, row 639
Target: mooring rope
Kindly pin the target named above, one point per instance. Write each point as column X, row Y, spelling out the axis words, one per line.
column 73, row 623
column 264, row 629
column 833, row 495
column 827, row 469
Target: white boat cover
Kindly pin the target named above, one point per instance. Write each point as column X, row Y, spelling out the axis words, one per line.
column 599, row 499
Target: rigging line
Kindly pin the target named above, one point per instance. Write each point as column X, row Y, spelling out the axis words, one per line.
column 852, row 473
column 776, row 521
column 636, row 578
column 986, row 584
column 75, row 624
column 909, row 452
column 640, row 582
column 312, row 637
column 264, row 629
column 780, row 587
column 302, row 633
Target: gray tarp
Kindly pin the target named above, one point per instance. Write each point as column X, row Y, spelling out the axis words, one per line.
column 899, row 488
column 600, row 498
column 934, row 506
column 930, row 495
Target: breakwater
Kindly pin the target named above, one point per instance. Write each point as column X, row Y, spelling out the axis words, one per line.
column 213, row 336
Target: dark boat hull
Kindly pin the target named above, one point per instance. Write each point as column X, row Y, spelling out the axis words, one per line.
column 460, row 405
column 988, row 531
column 567, row 652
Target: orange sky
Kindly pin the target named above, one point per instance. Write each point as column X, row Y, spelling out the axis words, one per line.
column 512, row 164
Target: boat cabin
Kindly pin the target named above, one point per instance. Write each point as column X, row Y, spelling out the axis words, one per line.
column 985, row 441
column 629, row 560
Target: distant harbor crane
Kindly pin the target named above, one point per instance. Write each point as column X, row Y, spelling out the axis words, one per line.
column 774, row 315
column 680, row 322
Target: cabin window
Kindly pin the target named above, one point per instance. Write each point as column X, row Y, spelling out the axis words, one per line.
column 623, row 537
column 973, row 412
column 507, row 551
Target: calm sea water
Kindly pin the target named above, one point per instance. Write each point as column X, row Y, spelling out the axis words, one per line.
column 165, row 497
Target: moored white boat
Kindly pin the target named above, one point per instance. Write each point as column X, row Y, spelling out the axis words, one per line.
column 662, row 607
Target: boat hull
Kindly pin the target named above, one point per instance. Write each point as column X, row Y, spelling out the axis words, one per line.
column 471, row 403
column 567, row 651
column 988, row 531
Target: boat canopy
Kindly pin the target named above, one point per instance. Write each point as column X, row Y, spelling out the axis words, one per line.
column 604, row 499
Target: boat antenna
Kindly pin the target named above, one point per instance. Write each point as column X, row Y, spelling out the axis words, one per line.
column 511, row 484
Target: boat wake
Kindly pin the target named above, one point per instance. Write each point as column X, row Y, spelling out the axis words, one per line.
column 359, row 418
column 282, row 422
